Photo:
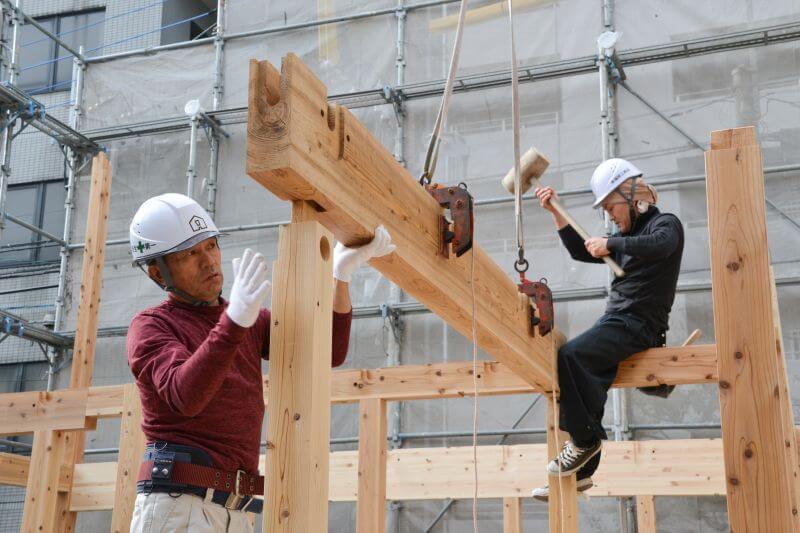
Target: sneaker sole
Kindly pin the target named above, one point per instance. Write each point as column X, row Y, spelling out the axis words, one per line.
column 567, row 473
column 546, row 499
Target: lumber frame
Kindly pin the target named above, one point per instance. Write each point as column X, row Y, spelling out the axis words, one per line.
column 371, row 506
column 691, row 467
column 131, row 449
column 646, row 514
column 512, row 515
column 563, row 501
column 296, row 483
column 301, row 148
column 30, row 412
column 753, row 401
column 42, row 489
column 39, row 496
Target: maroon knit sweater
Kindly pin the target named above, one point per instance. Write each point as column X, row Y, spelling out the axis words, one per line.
column 199, row 377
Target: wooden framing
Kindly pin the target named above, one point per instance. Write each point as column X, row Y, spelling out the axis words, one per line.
column 371, row 509
column 343, row 184
column 28, row 412
column 40, row 498
column 300, row 148
column 753, row 401
column 563, row 508
column 296, row 484
column 646, row 514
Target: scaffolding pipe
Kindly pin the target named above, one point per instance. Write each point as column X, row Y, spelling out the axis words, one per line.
column 191, row 173
column 35, row 229
column 5, row 141
column 216, row 102
column 76, row 97
column 485, row 202
column 30, row 20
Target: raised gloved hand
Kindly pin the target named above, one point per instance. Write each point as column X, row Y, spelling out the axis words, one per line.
column 348, row 260
column 250, row 288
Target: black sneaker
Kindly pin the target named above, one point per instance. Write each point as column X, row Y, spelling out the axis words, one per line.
column 572, row 458
column 543, row 493
column 660, row 391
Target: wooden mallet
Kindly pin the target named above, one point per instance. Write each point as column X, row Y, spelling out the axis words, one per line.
column 531, row 167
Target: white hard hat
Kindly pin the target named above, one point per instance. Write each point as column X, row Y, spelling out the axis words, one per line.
column 168, row 223
column 609, row 175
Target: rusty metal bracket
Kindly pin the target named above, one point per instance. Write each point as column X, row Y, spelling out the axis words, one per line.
column 542, row 299
column 458, row 229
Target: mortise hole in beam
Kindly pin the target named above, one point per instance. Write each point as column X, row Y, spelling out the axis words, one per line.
column 331, row 117
column 324, row 248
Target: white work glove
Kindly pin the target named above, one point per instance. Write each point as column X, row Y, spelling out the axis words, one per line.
column 348, row 260
column 250, row 288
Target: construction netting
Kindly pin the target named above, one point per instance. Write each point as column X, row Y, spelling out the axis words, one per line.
column 560, row 116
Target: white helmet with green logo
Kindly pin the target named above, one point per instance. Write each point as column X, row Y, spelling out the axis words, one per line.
column 168, row 223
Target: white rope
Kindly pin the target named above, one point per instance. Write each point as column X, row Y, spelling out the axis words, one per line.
column 432, row 156
column 475, row 395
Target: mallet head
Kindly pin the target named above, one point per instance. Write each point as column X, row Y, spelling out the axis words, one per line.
column 531, row 167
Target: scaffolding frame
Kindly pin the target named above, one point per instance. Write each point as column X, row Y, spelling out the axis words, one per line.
column 78, row 145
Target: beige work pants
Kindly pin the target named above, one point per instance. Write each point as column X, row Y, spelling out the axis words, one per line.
column 161, row 513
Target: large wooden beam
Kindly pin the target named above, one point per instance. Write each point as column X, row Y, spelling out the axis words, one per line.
column 752, row 398
column 14, row 469
column 691, row 467
column 296, row 484
column 371, row 507
column 27, row 412
column 300, row 148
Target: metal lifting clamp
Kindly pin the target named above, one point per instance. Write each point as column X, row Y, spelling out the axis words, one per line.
column 542, row 300
column 458, row 229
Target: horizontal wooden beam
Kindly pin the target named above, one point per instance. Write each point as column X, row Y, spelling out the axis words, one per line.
column 680, row 365
column 691, row 467
column 27, row 412
column 300, row 148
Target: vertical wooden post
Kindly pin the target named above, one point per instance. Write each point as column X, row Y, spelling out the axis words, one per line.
column 41, row 493
column 296, row 498
column 71, row 444
column 131, row 449
column 645, row 514
column 753, row 400
column 790, row 442
column 512, row 515
column 371, row 507
column 563, row 513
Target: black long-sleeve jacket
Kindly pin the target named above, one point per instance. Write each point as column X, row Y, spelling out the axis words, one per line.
column 650, row 254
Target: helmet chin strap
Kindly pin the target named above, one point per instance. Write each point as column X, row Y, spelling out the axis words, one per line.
column 169, row 285
column 632, row 212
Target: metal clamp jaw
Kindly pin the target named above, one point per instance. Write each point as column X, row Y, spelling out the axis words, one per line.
column 459, row 232
column 542, row 298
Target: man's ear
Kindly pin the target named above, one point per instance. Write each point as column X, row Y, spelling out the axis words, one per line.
column 154, row 272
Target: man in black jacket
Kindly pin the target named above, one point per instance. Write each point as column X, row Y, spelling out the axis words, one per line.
column 648, row 247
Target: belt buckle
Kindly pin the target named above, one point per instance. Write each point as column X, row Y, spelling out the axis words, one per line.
column 235, row 497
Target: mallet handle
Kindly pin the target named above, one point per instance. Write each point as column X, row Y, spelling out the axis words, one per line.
column 582, row 232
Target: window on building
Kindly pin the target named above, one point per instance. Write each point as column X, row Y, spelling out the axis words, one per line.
column 185, row 20
column 41, row 71
column 40, row 204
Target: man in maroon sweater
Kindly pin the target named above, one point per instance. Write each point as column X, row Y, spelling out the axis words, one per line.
column 196, row 358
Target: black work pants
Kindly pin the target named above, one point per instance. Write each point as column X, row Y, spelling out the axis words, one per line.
column 587, row 366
